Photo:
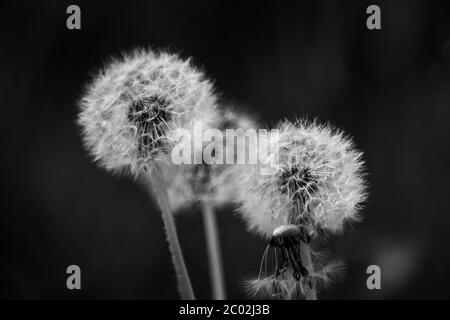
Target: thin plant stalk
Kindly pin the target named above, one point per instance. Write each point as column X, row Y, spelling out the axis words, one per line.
column 214, row 252
column 305, row 252
column 159, row 190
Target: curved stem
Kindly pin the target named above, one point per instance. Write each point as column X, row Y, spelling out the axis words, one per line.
column 305, row 252
column 159, row 190
column 214, row 252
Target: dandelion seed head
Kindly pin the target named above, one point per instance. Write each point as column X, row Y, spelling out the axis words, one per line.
column 318, row 182
column 135, row 102
column 214, row 183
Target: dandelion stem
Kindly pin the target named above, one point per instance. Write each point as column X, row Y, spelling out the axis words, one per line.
column 159, row 190
column 214, row 252
column 305, row 252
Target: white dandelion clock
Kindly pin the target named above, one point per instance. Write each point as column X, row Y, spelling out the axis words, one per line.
column 132, row 107
column 128, row 116
column 317, row 185
column 215, row 183
column 318, row 182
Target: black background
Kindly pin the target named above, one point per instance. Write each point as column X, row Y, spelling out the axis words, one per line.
column 388, row 88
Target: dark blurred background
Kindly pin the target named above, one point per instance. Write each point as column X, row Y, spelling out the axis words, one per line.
column 388, row 88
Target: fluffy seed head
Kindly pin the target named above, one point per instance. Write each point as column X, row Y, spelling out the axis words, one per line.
column 215, row 183
column 318, row 182
column 132, row 106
